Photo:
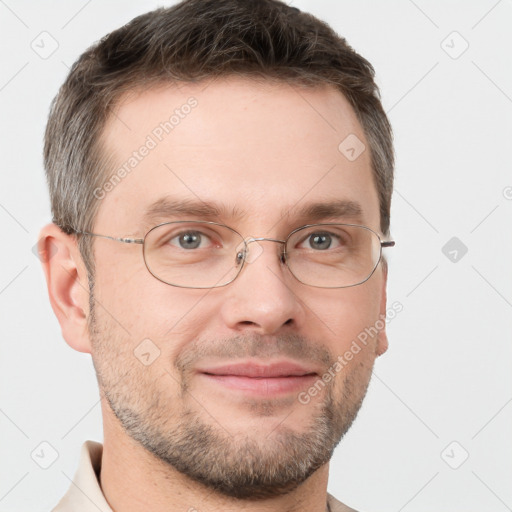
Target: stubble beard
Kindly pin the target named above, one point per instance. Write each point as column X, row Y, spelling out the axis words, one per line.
column 187, row 439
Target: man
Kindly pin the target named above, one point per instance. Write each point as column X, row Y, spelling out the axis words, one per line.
column 220, row 175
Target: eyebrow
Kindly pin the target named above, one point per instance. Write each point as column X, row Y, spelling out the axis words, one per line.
column 168, row 206
column 334, row 209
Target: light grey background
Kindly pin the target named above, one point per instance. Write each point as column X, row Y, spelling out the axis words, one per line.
column 447, row 374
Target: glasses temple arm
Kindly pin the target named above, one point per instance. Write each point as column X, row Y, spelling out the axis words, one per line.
column 124, row 240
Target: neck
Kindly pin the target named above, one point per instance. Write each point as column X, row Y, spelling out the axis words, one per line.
column 134, row 480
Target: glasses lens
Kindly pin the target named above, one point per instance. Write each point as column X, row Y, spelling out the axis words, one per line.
column 333, row 255
column 193, row 254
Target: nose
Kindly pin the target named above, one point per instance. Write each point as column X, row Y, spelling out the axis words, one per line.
column 263, row 297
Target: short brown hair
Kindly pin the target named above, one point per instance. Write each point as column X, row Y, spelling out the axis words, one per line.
column 192, row 41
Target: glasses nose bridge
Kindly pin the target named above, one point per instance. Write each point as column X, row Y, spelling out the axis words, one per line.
column 260, row 239
column 252, row 239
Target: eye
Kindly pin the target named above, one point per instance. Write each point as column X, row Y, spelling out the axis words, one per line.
column 321, row 241
column 190, row 240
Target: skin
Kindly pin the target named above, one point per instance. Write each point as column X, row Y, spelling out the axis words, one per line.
column 249, row 146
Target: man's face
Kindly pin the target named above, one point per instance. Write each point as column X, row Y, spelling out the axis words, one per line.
column 260, row 154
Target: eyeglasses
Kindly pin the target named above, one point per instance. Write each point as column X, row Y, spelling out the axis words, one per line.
column 204, row 254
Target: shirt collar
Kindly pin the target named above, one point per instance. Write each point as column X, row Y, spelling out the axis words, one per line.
column 84, row 493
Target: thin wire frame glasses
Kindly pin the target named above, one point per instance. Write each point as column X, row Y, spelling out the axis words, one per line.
column 205, row 254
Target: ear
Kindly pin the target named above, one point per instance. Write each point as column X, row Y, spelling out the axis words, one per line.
column 382, row 338
column 68, row 289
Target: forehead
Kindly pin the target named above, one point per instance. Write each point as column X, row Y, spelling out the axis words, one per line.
column 253, row 150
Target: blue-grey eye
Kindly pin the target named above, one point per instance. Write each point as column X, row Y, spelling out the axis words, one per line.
column 320, row 241
column 189, row 240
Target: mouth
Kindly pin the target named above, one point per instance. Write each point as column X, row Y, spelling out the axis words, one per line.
column 262, row 379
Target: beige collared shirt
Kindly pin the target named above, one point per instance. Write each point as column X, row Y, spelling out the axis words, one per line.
column 85, row 495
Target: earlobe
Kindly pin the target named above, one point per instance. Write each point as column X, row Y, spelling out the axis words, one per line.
column 67, row 284
column 382, row 338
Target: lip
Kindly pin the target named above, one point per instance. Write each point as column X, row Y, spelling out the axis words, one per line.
column 276, row 378
column 258, row 370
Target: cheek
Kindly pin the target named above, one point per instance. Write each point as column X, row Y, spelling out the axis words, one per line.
column 144, row 307
column 120, row 287
column 124, row 286
column 352, row 315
